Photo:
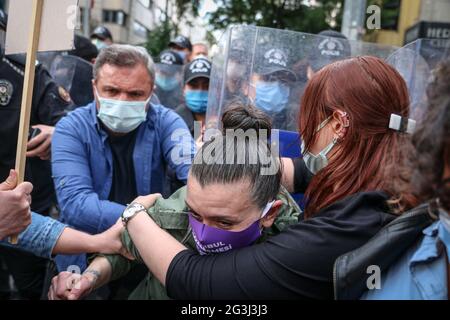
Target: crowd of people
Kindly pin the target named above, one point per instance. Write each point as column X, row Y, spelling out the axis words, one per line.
column 114, row 207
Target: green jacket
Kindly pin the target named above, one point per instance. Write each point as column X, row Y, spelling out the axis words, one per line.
column 171, row 215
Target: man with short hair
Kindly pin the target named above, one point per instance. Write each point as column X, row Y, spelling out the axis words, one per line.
column 116, row 148
column 199, row 50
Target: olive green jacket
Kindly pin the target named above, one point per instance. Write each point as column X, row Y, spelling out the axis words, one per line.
column 171, row 215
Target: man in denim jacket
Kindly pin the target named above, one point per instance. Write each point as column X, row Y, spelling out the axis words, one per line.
column 118, row 147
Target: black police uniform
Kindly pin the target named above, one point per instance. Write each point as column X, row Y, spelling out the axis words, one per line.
column 50, row 103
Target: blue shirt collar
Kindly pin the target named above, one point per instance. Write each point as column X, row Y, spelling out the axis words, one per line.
column 436, row 238
column 444, row 235
column 428, row 248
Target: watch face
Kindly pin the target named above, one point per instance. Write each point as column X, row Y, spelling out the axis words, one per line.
column 131, row 210
column 127, row 213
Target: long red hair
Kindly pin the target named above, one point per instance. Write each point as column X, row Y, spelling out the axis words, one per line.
column 370, row 156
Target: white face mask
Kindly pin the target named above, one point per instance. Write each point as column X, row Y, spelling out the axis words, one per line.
column 315, row 163
column 122, row 116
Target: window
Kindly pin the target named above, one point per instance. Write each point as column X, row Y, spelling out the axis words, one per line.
column 114, row 16
column 140, row 30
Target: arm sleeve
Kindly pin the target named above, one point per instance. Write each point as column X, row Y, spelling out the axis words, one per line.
column 120, row 266
column 40, row 237
column 178, row 144
column 80, row 204
column 302, row 176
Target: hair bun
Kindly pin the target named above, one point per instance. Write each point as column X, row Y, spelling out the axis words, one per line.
column 245, row 117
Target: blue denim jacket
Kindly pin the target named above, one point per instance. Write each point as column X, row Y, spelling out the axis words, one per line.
column 421, row 273
column 40, row 237
column 82, row 166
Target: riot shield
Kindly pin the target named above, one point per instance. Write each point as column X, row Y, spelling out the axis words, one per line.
column 270, row 68
column 75, row 75
column 47, row 58
column 169, row 84
column 416, row 62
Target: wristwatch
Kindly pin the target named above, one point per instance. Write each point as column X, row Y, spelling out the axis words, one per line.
column 131, row 211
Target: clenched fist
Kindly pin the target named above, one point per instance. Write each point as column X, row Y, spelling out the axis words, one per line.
column 15, row 201
column 71, row 286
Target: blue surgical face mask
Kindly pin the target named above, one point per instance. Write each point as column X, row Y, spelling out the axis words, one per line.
column 122, row 116
column 99, row 44
column 271, row 97
column 313, row 162
column 182, row 54
column 196, row 100
column 166, row 83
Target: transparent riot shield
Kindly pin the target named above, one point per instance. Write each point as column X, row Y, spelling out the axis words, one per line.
column 416, row 62
column 74, row 74
column 169, row 84
column 270, row 68
column 47, row 58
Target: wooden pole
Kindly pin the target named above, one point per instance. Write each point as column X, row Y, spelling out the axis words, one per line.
column 27, row 95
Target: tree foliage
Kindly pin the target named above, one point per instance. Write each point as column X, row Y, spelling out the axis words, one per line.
column 168, row 26
column 294, row 15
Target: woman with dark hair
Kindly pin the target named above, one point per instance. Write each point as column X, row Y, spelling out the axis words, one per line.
column 348, row 119
column 421, row 271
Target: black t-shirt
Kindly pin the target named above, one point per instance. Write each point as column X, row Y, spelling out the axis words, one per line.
column 302, row 176
column 49, row 104
column 295, row 264
column 123, row 189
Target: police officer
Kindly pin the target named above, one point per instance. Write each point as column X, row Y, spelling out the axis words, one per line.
column 50, row 103
column 330, row 47
column 183, row 46
column 271, row 83
column 196, row 86
column 101, row 37
column 84, row 49
column 169, row 79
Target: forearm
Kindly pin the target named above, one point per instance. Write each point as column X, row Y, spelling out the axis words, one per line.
column 156, row 246
column 73, row 241
column 288, row 174
column 99, row 272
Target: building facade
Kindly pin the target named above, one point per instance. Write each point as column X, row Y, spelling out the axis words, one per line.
column 130, row 21
column 417, row 19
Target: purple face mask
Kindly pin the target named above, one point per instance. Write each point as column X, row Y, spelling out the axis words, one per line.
column 210, row 240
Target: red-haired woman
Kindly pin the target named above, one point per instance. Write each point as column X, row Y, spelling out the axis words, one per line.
column 353, row 117
column 348, row 145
